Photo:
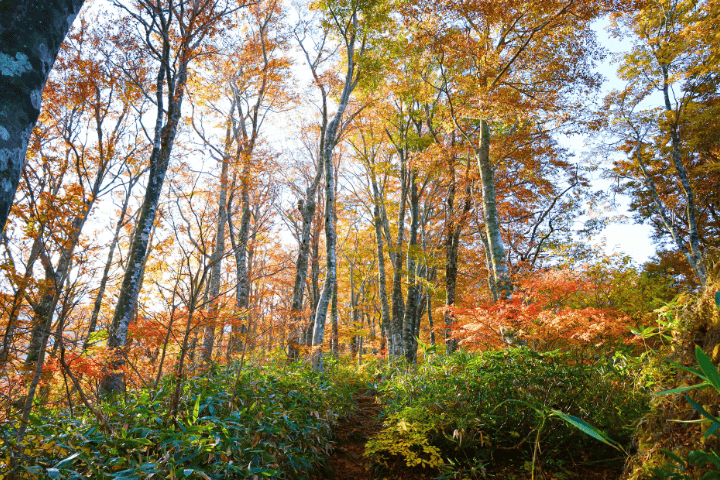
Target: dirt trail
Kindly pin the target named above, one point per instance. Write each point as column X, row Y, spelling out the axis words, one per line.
column 347, row 461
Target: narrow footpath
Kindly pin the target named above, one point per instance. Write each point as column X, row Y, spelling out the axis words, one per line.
column 347, row 461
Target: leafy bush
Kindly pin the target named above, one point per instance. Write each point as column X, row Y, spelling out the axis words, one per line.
column 488, row 408
column 278, row 424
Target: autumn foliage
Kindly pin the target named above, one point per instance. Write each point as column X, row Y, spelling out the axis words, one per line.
column 550, row 309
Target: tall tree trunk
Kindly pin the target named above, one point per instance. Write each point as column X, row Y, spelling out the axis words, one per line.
column 382, row 287
column 159, row 162
column 452, row 247
column 108, row 264
column 19, row 297
column 242, row 289
column 398, row 303
column 58, row 275
column 213, row 291
column 409, row 318
column 32, row 32
column 307, row 211
column 331, row 258
column 44, row 311
column 314, row 286
column 431, row 326
column 697, row 263
column 334, row 322
column 501, row 275
column 329, row 137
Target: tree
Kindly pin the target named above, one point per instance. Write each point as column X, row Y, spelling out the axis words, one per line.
column 254, row 83
column 174, row 32
column 678, row 133
column 352, row 23
column 86, row 138
column 499, row 62
column 32, row 33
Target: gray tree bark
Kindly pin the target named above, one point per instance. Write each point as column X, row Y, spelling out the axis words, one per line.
column 501, row 274
column 307, row 210
column 159, row 25
column 382, row 286
column 108, row 263
column 32, row 32
column 213, row 291
column 696, row 257
column 410, row 314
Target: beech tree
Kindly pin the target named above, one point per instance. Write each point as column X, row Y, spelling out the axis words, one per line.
column 352, row 24
column 254, row 77
column 668, row 141
column 68, row 173
column 32, row 32
column 502, row 61
column 173, row 33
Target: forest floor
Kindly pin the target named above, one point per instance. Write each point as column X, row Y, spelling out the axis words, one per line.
column 347, row 461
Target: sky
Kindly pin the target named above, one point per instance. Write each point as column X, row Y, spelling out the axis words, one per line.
column 629, row 237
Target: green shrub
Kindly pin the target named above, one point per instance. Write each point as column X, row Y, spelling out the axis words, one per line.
column 487, row 408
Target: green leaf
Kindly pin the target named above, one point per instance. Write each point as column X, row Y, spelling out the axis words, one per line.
column 698, row 457
column 713, row 428
column 717, row 299
column 53, row 472
column 700, row 409
column 710, row 371
column 66, row 460
column 196, row 410
column 674, row 457
column 682, row 389
column 585, row 427
column 687, row 369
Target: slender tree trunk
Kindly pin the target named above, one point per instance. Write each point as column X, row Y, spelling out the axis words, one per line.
column 314, row 293
column 45, row 309
column 213, row 291
column 382, row 287
column 32, row 388
column 32, row 32
column 697, row 263
column 19, row 297
column 301, row 264
column 353, row 308
column 452, row 247
column 44, row 314
column 409, row 318
column 108, row 265
column 428, row 299
column 159, row 162
column 662, row 211
column 329, row 139
column 331, row 261
column 242, row 289
column 501, row 275
column 180, row 369
column 334, row 322
column 398, row 303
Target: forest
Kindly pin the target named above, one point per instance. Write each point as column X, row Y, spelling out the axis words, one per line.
column 358, row 239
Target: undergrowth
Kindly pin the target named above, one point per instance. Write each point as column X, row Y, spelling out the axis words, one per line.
column 277, row 424
column 471, row 415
